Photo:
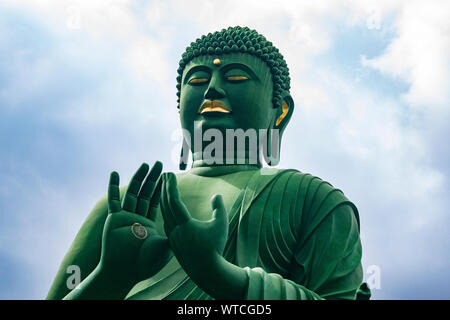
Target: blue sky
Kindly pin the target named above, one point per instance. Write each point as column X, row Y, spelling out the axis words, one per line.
column 89, row 87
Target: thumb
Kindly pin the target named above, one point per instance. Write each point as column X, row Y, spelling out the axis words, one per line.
column 220, row 217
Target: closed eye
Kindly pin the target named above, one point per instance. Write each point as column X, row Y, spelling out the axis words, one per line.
column 236, row 78
column 198, row 80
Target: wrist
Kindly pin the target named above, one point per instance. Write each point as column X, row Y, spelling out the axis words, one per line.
column 220, row 278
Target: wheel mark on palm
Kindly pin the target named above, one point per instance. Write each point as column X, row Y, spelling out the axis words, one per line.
column 139, row 231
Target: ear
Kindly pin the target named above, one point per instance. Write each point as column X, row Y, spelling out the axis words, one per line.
column 284, row 112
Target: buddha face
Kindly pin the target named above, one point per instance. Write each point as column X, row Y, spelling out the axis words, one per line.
column 228, row 91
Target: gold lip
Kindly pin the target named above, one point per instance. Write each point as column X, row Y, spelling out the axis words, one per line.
column 213, row 106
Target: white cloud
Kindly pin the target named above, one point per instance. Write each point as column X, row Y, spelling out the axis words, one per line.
column 141, row 57
column 375, row 147
column 111, row 23
column 420, row 53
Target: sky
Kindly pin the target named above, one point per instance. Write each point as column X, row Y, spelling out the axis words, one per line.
column 87, row 87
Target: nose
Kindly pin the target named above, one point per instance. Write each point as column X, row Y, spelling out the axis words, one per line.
column 214, row 90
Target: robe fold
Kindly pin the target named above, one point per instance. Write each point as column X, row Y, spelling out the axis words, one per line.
column 296, row 236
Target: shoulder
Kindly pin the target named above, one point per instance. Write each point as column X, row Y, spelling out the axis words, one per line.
column 309, row 186
column 314, row 198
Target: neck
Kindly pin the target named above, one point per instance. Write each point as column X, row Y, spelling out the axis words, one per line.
column 211, row 171
column 244, row 158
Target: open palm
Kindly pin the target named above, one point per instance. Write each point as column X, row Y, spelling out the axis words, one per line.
column 132, row 249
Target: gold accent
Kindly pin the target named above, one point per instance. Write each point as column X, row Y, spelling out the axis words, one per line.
column 139, row 231
column 217, row 62
column 237, row 78
column 285, row 109
column 213, row 106
column 198, row 80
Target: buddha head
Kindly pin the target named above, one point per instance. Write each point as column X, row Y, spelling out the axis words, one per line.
column 234, row 80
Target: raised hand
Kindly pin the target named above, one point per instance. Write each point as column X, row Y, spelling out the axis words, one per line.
column 132, row 250
column 198, row 245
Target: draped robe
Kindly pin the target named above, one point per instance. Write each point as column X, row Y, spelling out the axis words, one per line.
column 296, row 236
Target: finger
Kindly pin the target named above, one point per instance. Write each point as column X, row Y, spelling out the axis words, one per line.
column 178, row 209
column 169, row 222
column 220, row 217
column 155, row 200
column 147, row 189
column 114, row 193
column 130, row 199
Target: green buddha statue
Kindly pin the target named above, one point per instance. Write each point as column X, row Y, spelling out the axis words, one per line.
column 227, row 228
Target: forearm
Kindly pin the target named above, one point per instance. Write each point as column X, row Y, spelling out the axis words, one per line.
column 100, row 285
column 224, row 280
column 272, row 286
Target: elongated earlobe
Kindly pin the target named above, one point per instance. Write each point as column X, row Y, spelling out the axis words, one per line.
column 273, row 139
column 184, row 155
column 271, row 146
column 274, row 143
